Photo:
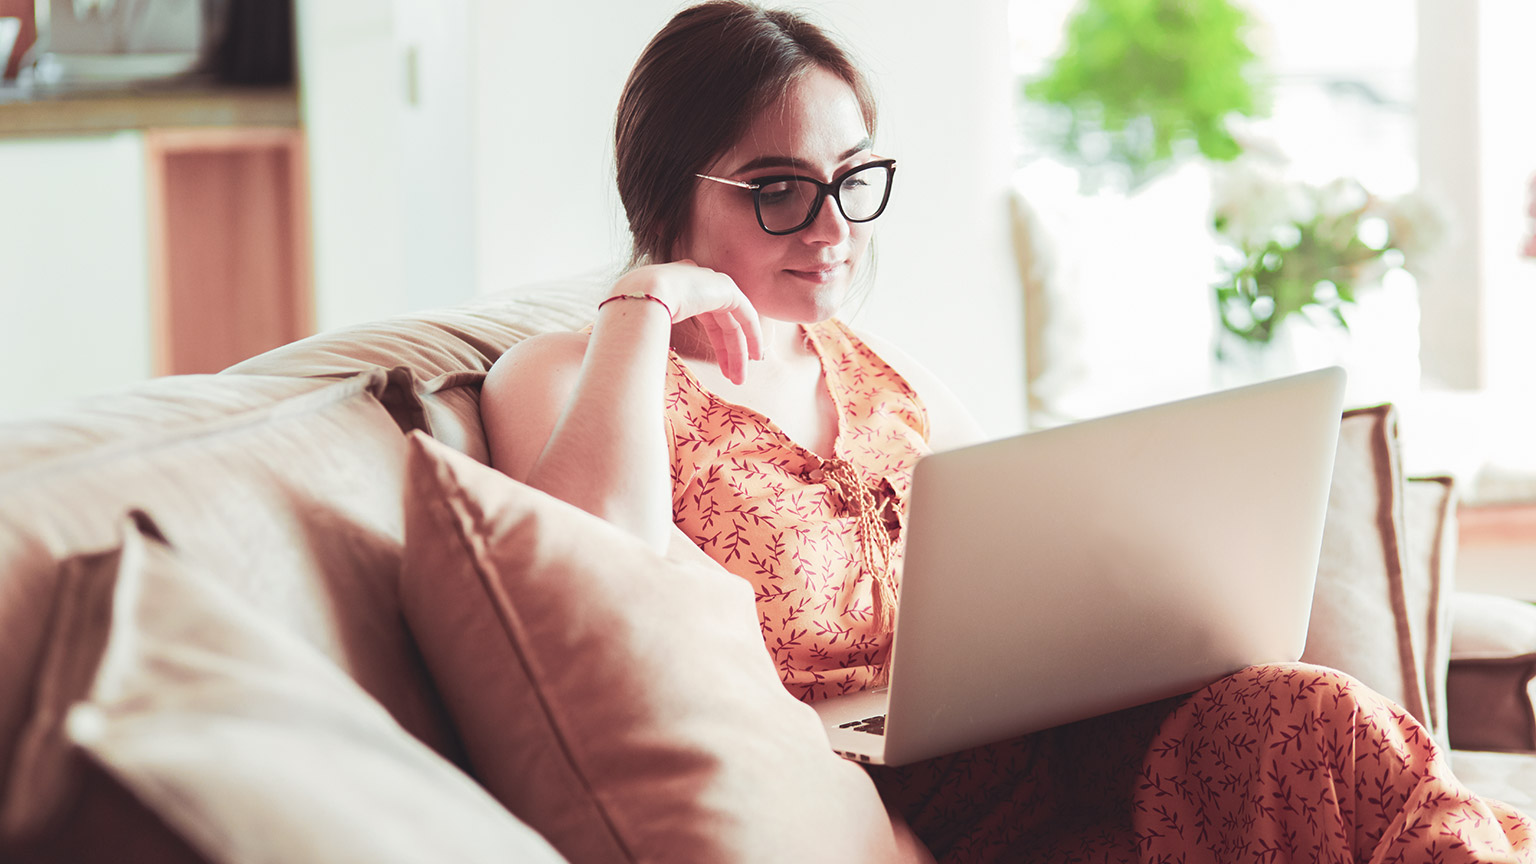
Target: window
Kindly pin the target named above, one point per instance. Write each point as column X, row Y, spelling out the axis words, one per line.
column 1430, row 95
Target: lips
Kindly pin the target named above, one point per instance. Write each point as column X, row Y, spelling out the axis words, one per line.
column 818, row 272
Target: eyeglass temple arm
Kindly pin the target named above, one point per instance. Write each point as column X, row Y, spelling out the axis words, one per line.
column 727, row 182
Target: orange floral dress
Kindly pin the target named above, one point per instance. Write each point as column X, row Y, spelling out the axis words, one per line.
column 815, row 537
column 1281, row 763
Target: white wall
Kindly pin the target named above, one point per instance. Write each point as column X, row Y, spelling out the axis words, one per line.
column 1477, row 153
column 495, row 167
column 549, row 76
column 437, row 169
column 61, row 261
column 350, row 66
column 388, row 93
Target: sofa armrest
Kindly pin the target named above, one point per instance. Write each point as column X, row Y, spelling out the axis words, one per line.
column 1491, row 684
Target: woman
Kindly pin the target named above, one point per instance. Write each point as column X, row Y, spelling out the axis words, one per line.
column 717, row 401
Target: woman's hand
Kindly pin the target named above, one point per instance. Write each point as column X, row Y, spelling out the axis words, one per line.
column 722, row 311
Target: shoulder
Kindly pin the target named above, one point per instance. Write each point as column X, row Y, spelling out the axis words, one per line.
column 524, row 393
column 544, row 364
column 538, row 356
column 950, row 422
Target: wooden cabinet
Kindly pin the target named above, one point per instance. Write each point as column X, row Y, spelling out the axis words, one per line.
column 228, row 245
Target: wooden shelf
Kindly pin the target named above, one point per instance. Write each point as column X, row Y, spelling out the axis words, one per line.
column 54, row 112
column 1496, row 524
column 1497, row 549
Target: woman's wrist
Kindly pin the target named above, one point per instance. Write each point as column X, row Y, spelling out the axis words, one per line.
column 641, row 285
column 638, row 295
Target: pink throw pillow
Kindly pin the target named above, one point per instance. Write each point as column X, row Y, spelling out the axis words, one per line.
column 621, row 703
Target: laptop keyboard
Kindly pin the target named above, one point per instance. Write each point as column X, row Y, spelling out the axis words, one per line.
column 873, row 725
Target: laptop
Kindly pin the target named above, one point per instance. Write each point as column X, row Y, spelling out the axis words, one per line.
column 1074, row 571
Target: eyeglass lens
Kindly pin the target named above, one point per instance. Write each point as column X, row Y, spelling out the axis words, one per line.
column 785, row 205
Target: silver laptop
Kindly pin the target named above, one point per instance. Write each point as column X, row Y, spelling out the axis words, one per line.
column 1079, row 570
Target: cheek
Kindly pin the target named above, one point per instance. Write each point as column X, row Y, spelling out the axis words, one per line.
column 742, row 256
column 859, row 241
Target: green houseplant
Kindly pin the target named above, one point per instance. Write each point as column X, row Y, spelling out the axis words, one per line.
column 1290, row 247
column 1143, row 83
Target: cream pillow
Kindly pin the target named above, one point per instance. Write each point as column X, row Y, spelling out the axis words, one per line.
column 239, row 735
column 1363, row 622
column 622, row 704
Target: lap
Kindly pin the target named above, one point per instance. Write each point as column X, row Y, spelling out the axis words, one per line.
column 1100, row 781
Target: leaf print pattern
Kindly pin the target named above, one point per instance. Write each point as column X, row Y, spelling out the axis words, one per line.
column 1278, row 763
column 797, row 526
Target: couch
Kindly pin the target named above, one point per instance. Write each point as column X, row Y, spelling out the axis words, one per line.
column 285, row 612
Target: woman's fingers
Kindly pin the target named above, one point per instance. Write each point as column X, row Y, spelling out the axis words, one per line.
column 716, row 302
column 746, row 319
column 729, row 342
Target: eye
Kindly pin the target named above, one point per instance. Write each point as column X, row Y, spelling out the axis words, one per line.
column 775, row 193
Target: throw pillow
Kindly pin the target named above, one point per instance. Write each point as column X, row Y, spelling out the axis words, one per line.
column 1361, row 620
column 236, row 733
column 286, row 491
column 621, row 703
column 1492, row 674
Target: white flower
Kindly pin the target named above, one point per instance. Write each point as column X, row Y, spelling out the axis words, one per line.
column 1341, row 197
column 1415, row 223
column 1254, row 202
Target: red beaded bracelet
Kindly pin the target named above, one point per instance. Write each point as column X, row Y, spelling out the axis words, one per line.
column 639, row 297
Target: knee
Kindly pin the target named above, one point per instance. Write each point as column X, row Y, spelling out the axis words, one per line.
column 1291, row 677
column 1297, row 687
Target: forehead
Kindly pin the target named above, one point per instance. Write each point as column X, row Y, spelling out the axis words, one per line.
column 817, row 121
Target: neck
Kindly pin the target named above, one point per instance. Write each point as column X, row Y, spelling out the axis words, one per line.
column 780, row 339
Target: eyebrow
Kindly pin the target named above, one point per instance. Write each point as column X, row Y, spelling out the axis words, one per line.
column 797, row 163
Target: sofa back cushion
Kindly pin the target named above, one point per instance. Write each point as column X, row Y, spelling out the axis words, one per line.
column 435, row 361
column 1370, row 615
column 286, row 490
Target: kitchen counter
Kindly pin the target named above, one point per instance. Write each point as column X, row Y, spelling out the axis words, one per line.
column 84, row 111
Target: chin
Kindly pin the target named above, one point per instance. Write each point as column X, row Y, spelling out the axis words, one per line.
column 794, row 300
column 810, row 298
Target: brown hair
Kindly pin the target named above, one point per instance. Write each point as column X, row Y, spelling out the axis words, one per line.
column 693, row 92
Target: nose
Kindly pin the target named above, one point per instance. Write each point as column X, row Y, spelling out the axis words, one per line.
column 829, row 228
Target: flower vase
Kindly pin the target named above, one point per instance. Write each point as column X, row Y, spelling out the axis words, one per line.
column 1296, row 344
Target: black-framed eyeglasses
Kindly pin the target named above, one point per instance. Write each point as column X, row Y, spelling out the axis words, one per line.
column 787, row 203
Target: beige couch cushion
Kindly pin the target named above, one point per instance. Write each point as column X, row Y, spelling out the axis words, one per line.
column 1506, row 777
column 285, row 490
column 622, row 704
column 235, row 732
column 435, row 360
column 1362, row 622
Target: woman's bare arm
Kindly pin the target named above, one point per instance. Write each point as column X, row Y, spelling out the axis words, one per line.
column 581, row 417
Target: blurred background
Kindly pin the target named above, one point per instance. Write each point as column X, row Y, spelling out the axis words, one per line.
column 1102, row 203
